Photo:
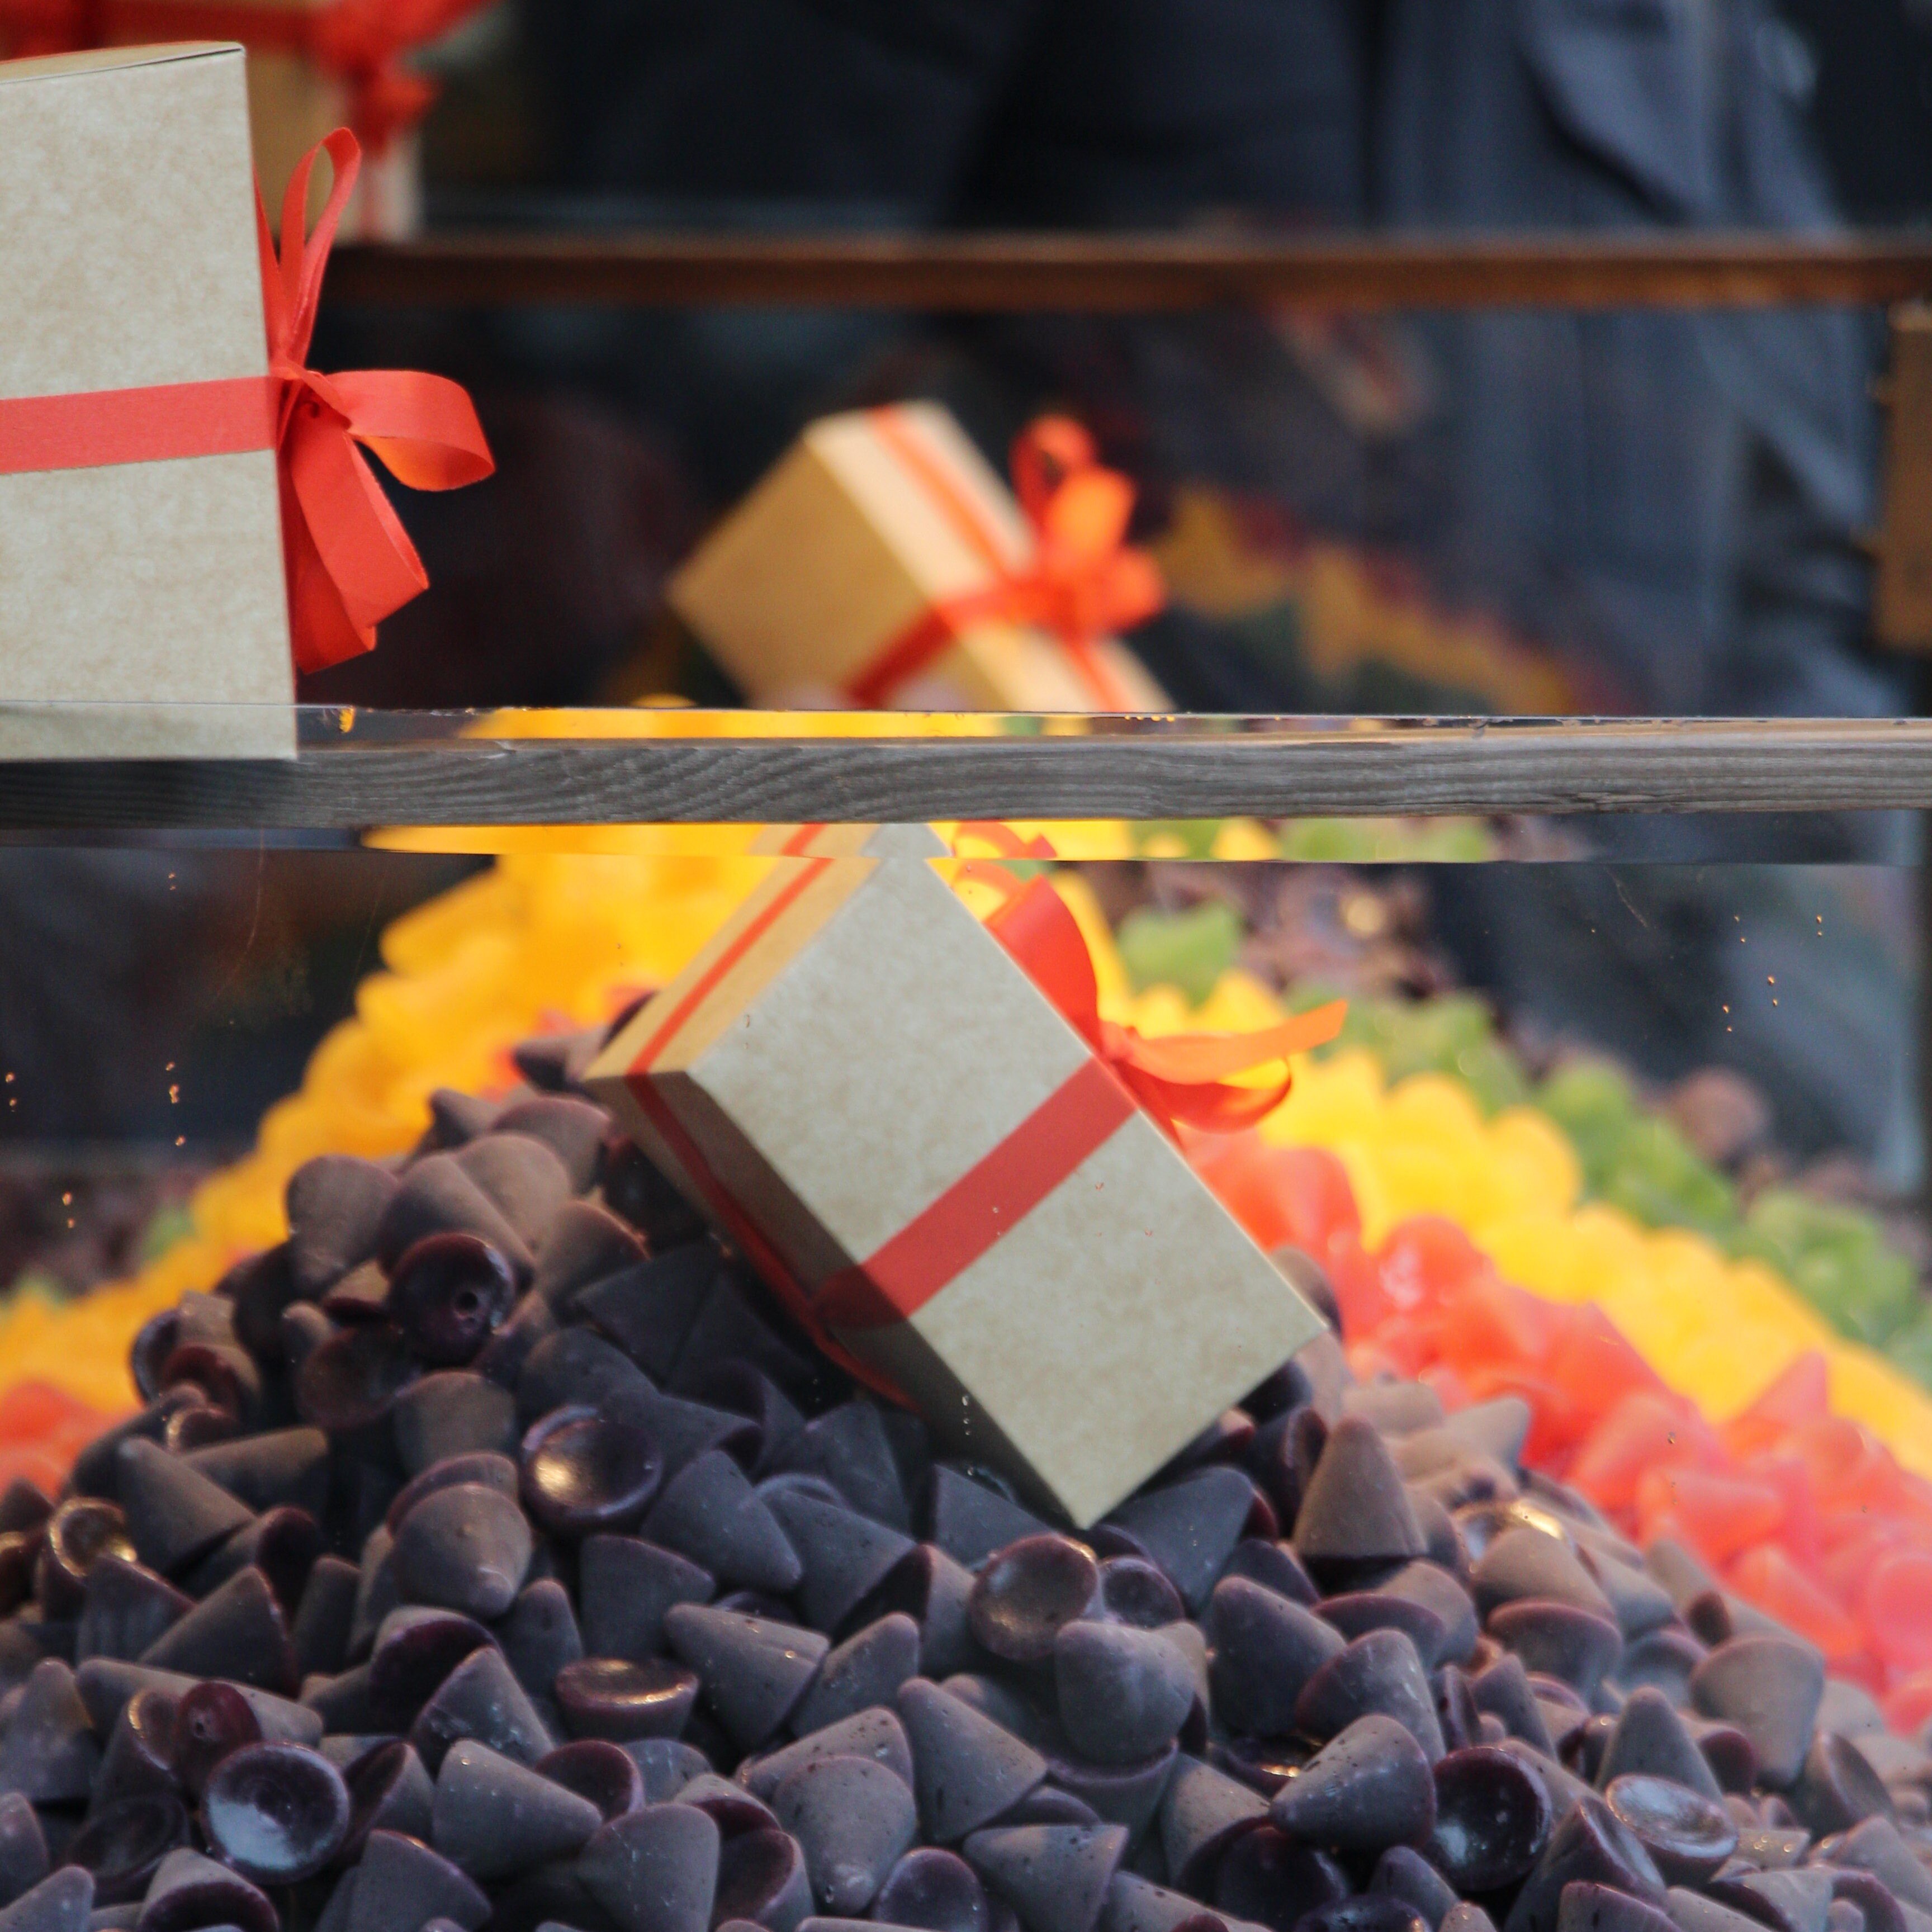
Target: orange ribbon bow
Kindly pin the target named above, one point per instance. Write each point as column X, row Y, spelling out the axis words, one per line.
column 1180, row 1080
column 359, row 43
column 1083, row 582
column 350, row 562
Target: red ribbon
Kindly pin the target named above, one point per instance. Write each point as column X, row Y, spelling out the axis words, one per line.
column 1082, row 583
column 350, row 562
column 1181, row 1079
column 359, row 43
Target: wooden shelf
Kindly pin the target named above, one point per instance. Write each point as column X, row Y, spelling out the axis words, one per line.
column 1126, row 274
column 1187, row 769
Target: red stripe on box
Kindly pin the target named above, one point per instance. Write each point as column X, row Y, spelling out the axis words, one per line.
column 105, row 428
column 985, row 1203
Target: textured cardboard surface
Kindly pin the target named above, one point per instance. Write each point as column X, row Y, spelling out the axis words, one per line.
column 886, row 1045
column 838, row 550
column 127, row 228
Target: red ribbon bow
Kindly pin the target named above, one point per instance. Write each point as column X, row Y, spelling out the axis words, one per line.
column 1085, row 582
column 1182, row 1079
column 350, row 562
column 1082, row 583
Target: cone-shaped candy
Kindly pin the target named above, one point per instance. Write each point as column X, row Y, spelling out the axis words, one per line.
column 854, row 1819
column 710, row 1512
column 1555, row 1639
column 437, row 1197
column 239, row 1632
column 1527, row 1562
column 845, row 1555
column 48, row 1753
column 1356, row 1511
column 481, row 1699
column 875, row 1734
column 464, row 1549
column 1190, row 1528
column 1405, row 1873
column 494, row 1817
column 1493, row 1815
column 935, row 1889
column 190, row 1891
column 61, row 1903
column 402, row 1883
column 174, row 1514
column 1769, row 1687
column 1368, row 1788
column 969, row 1520
column 1203, row 1812
column 1123, row 1693
column 762, row 1881
column 335, row 1205
column 656, row 1870
column 966, row 1770
column 1650, row 1739
column 522, row 1175
column 1264, row 1650
column 540, row 1636
column 1054, row 1877
column 648, row 1308
column 866, row 1670
column 753, row 1671
column 624, row 1586
column 1380, row 1672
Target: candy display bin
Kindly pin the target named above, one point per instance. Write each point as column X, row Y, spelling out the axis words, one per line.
column 646, row 1318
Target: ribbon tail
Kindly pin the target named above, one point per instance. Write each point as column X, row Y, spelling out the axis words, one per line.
column 365, row 550
column 1038, row 931
column 1189, row 1058
column 425, row 428
column 1213, row 1108
column 322, row 630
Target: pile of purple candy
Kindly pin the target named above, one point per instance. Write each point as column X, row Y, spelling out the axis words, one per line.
column 492, row 1554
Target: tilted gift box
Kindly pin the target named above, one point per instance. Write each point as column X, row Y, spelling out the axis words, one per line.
column 883, row 560
column 127, row 235
column 875, row 1103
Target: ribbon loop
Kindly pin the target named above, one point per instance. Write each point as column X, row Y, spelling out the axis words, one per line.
column 350, row 562
column 1180, row 1080
column 1081, row 583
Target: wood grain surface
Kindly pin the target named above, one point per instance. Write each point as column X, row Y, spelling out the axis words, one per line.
column 1187, row 769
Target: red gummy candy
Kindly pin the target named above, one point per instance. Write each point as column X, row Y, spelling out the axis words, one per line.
column 1767, row 1577
column 1898, row 1605
column 1720, row 1515
column 1644, row 1431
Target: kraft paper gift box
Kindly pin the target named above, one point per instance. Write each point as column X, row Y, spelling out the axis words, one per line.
column 873, row 1101
column 865, row 563
column 152, row 589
